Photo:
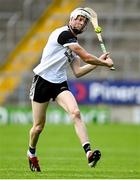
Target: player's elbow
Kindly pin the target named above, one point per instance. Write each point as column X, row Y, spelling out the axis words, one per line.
column 77, row 75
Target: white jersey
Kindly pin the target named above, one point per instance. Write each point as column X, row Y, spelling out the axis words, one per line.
column 56, row 55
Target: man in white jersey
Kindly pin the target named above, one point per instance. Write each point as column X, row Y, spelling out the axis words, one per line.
column 50, row 82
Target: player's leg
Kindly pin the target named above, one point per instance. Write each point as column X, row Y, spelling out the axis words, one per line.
column 39, row 116
column 67, row 101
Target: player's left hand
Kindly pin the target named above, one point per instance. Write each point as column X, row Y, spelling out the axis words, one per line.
column 110, row 62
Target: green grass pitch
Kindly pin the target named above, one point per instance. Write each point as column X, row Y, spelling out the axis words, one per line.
column 61, row 155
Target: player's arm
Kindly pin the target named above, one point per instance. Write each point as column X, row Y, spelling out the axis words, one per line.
column 78, row 70
column 89, row 58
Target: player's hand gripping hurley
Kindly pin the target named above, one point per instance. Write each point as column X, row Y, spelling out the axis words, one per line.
column 98, row 29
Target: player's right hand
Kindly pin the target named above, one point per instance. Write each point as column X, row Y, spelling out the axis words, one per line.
column 104, row 56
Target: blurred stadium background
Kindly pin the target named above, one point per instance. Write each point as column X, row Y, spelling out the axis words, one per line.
column 104, row 95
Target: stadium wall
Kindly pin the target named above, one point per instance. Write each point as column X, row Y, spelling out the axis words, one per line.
column 90, row 114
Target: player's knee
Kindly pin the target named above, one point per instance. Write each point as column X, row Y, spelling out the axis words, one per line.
column 76, row 114
column 38, row 128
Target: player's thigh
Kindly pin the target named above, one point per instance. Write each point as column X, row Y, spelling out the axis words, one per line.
column 67, row 101
column 39, row 112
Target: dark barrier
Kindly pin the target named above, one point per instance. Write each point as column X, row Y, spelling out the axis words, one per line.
column 118, row 92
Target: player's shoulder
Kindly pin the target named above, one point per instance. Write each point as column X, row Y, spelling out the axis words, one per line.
column 65, row 36
column 64, row 30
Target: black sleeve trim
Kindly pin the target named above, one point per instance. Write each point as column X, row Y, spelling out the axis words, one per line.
column 66, row 37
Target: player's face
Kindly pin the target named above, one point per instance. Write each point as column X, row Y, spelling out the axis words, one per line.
column 79, row 23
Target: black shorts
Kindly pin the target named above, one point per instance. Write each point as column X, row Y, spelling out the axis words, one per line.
column 42, row 90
